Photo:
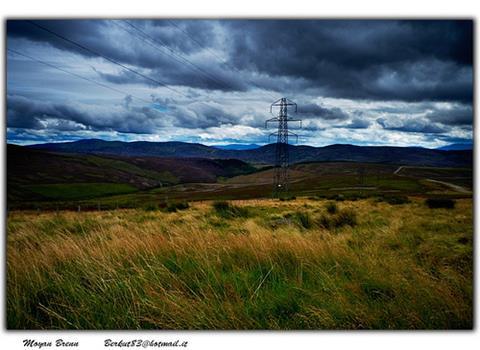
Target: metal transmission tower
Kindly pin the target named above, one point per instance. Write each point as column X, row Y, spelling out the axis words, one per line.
column 280, row 177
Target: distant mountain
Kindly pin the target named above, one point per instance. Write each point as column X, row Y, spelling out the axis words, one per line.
column 457, row 147
column 237, row 147
column 266, row 154
column 139, row 148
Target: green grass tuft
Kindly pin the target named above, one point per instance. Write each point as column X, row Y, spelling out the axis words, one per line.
column 343, row 217
column 175, row 206
column 226, row 210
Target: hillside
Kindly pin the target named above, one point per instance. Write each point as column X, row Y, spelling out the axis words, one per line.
column 35, row 175
column 192, row 169
column 266, row 154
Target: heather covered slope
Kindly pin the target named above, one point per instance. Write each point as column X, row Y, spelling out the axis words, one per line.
column 35, row 175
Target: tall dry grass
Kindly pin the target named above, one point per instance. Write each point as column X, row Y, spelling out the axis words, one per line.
column 399, row 267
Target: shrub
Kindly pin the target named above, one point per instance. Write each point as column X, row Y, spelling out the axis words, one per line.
column 345, row 217
column 355, row 196
column 301, row 219
column 304, row 219
column 182, row 205
column 394, row 200
column 440, row 203
column 174, row 206
column 325, row 222
column 331, row 207
column 227, row 211
column 341, row 218
column 221, row 206
column 275, row 221
column 150, row 207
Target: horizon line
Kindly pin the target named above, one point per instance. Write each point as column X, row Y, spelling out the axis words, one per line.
column 229, row 144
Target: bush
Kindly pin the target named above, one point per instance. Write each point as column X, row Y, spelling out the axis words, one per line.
column 325, row 222
column 174, row 206
column 331, row 207
column 394, row 200
column 440, row 203
column 355, row 196
column 227, row 211
column 150, row 207
column 301, row 219
column 341, row 218
column 304, row 219
column 275, row 221
column 345, row 217
column 183, row 205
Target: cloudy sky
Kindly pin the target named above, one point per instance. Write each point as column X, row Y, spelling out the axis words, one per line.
column 402, row 83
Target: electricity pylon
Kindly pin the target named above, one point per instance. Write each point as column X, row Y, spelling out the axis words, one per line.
column 280, row 177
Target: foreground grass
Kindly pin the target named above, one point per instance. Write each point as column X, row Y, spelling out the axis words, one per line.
column 268, row 265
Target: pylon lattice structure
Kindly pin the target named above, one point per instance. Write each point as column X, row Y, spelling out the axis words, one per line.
column 280, row 177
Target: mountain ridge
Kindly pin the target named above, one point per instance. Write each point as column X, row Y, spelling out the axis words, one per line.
column 266, row 154
column 457, row 147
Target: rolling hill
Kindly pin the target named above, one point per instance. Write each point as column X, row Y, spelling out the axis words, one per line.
column 266, row 154
column 35, row 174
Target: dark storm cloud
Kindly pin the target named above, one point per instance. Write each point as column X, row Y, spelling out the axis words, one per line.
column 452, row 139
column 30, row 114
column 148, row 45
column 362, row 59
column 97, row 35
column 179, row 76
column 195, row 115
column 313, row 110
column 412, row 125
column 359, row 59
column 459, row 116
column 123, row 77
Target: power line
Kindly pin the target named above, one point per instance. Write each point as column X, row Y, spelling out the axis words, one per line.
column 174, row 54
column 77, row 75
column 95, row 53
column 222, row 60
column 106, row 58
column 197, row 42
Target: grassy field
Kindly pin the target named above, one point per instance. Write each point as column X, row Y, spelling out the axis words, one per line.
column 73, row 191
column 252, row 264
column 320, row 179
